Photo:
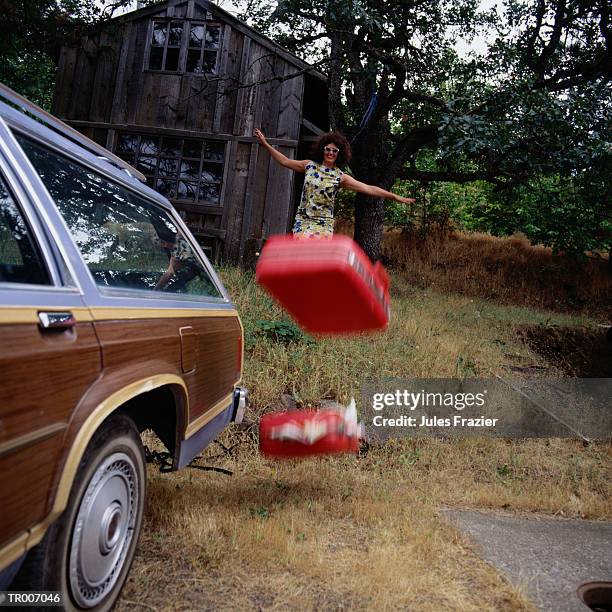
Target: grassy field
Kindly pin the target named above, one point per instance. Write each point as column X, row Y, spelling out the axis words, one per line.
column 367, row 532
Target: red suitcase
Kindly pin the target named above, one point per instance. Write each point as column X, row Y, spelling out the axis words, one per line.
column 328, row 285
column 303, row 433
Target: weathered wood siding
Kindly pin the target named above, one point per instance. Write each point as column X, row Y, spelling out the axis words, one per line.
column 106, row 81
column 86, row 77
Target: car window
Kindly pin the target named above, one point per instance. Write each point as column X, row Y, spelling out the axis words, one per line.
column 20, row 259
column 126, row 240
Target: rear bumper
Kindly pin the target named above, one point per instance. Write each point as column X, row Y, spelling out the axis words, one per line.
column 241, row 401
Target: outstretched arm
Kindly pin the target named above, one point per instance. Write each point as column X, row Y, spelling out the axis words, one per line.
column 348, row 182
column 299, row 165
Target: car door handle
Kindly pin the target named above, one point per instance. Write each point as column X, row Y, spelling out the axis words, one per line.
column 56, row 320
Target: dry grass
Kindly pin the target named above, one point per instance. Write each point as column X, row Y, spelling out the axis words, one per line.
column 429, row 335
column 353, row 533
column 361, row 533
column 507, row 270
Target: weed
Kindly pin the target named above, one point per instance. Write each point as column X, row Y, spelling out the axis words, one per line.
column 283, row 332
column 262, row 512
column 409, row 459
column 503, row 471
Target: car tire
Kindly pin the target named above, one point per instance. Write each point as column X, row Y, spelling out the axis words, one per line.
column 87, row 552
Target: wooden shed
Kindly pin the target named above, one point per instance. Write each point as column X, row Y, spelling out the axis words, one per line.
column 176, row 89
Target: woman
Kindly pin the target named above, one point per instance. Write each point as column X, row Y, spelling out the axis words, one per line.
column 315, row 214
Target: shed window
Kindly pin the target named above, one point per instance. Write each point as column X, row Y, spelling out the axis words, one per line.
column 182, row 169
column 199, row 42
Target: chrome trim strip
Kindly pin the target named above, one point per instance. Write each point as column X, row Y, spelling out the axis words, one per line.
column 31, row 288
column 195, row 246
column 133, row 297
column 31, row 437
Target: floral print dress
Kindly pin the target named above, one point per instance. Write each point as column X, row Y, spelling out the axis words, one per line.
column 315, row 214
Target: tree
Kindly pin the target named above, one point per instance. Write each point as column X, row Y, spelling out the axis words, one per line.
column 538, row 104
column 33, row 33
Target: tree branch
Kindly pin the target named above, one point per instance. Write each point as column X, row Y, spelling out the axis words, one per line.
column 416, row 139
column 335, row 82
column 553, row 43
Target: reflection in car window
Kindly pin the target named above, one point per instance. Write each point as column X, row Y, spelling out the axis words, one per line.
column 20, row 260
column 126, row 240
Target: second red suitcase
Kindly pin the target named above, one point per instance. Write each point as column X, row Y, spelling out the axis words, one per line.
column 302, row 433
column 328, row 285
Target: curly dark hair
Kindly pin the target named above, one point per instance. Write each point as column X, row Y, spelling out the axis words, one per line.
column 344, row 155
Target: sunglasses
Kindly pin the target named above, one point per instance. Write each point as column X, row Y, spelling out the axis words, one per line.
column 331, row 150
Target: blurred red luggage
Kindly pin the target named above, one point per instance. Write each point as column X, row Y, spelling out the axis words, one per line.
column 302, row 433
column 328, row 285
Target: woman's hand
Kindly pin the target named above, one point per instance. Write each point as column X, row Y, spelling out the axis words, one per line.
column 399, row 198
column 259, row 135
column 283, row 160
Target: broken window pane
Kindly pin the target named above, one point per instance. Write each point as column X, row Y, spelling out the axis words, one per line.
column 214, row 151
column 172, row 59
column 211, row 173
column 192, row 148
column 171, row 147
column 166, row 188
column 127, row 143
column 209, row 193
column 209, row 61
column 156, row 57
column 193, row 61
column 212, row 37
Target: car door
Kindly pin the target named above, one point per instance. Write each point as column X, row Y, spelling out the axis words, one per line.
column 49, row 353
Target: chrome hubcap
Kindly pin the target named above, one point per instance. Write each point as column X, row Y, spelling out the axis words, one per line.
column 103, row 529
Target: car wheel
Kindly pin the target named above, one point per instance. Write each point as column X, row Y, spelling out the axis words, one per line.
column 88, row 551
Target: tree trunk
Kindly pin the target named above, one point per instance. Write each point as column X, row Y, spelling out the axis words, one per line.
column 369, row 219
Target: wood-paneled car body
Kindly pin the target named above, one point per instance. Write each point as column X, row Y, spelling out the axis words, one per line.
column 112, row 321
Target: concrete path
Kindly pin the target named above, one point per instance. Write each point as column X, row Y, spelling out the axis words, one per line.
column 549, row 557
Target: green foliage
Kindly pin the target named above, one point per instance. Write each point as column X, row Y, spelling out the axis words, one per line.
column 31, row 73
column 554, row 211
column 283, row 332
column 261, row 512
column 534, row 106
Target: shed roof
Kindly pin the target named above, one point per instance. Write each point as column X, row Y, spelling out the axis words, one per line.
column 222, row 15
